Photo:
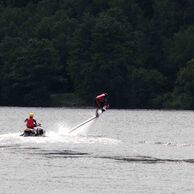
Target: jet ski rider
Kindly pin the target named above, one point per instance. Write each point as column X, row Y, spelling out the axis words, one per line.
column 101, row 103
column 31, row 122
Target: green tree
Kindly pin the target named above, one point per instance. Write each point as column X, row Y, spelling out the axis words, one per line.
column 144, row 87
column 183, row 95
column 101, row 52
column 29, row 72
column 180, row 49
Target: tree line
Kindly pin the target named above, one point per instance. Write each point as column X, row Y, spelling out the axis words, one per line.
column 140, row 52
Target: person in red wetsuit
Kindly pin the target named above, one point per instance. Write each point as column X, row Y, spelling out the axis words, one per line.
column 101, row 103
column 31, row 122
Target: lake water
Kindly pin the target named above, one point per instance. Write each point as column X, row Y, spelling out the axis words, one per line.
column 123, row 151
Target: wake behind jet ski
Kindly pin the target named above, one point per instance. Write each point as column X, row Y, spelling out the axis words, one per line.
column 33, row 129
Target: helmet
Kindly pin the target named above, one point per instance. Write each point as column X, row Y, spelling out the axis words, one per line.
column 31, row 114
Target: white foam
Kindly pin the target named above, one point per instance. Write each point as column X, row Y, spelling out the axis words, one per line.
column 59, row 135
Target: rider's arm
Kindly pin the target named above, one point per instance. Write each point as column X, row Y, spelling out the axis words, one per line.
column 35, row 123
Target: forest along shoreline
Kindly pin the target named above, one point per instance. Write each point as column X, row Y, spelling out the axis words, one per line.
column 64, row 53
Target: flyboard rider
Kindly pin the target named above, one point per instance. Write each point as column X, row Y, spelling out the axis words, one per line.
column 101, row 103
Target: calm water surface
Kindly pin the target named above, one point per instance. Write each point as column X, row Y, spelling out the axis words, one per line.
column 122, row 151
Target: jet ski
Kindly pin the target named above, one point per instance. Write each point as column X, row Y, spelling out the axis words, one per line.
column 37, row 131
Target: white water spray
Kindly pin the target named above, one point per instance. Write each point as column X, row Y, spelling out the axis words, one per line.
column 59, row 133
